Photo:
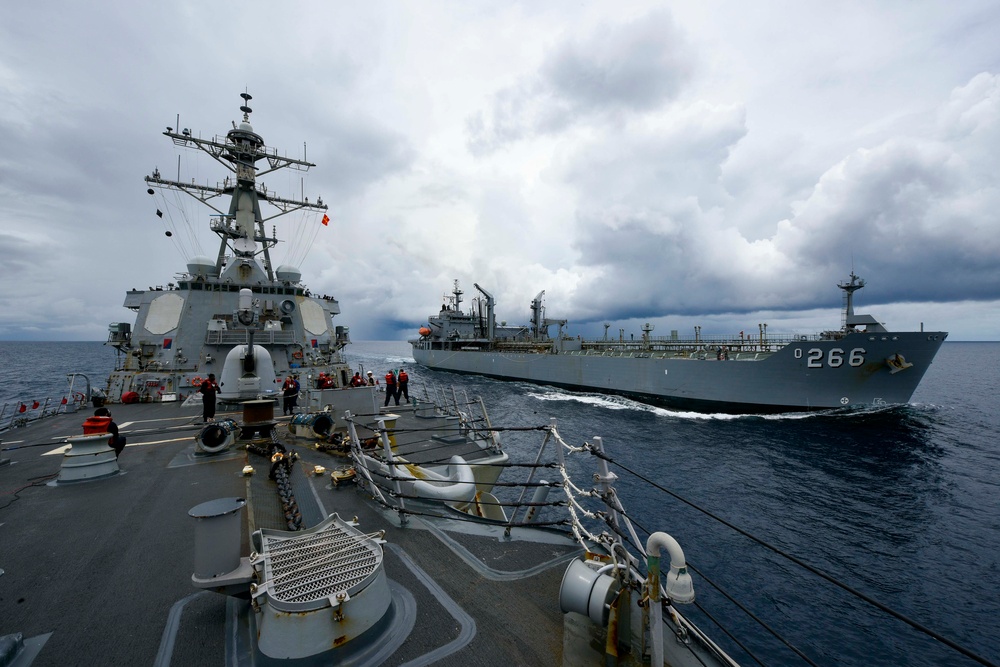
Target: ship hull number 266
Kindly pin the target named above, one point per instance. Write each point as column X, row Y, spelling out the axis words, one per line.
column 832, row 358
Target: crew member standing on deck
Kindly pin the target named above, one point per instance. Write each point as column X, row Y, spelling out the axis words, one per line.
column 371, row 379
column 404, row 379
column 290, row 392
column 391, row 390
column 208, row 390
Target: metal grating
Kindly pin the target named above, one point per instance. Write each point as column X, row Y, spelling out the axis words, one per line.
column 316, row 565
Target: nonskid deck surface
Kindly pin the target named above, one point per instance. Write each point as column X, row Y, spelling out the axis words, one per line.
column 480, row 599
column 100, row 571
column 100, row 564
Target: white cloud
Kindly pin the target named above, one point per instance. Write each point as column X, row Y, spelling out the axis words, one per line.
column 614, row 71
column 711, row 162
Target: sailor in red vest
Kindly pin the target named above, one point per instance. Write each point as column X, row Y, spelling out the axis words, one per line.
column 208, row 390
column 290, row 393
column 116, row 441
column 391, row 389
column 404, row 379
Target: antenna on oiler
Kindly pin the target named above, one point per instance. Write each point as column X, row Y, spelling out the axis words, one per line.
column 246, row 98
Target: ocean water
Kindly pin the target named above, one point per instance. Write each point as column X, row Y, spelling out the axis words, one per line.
column 901, row 504
column 36, row 371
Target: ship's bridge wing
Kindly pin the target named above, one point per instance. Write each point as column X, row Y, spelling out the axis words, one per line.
column 867, row 321
column 133, row 299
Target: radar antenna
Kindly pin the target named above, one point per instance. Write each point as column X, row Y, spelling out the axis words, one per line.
column 241, row 227
column 849, row 289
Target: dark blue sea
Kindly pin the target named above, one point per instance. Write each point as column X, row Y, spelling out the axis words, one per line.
column 901, row 504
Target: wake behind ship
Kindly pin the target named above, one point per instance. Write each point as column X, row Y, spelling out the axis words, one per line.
column 863, row 364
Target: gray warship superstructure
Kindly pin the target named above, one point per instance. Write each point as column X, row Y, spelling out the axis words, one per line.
column 861, row 364
column 235, row 311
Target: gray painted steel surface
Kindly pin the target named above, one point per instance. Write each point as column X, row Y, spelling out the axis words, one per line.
column 184, row 331
column 863, row 364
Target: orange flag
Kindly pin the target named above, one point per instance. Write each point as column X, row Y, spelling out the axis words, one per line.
column 326, row 220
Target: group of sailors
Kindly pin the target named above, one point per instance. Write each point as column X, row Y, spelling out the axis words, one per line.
column 358, row 381
column 396, row 385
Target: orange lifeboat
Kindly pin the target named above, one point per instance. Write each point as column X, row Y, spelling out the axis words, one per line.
column 424, row 331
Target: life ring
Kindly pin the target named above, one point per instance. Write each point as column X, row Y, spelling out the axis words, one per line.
column 196, row 381
column 297, row 354
column 78, row 397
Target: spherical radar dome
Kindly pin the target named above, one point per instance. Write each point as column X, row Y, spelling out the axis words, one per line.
column 288, row 273
column 200, row 265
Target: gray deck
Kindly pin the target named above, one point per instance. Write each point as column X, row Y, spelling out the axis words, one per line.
column 102, row 568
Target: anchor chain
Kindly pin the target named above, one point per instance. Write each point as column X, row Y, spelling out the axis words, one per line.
column 281, row 472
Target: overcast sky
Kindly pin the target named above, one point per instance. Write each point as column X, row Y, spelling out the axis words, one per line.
column 681, row 163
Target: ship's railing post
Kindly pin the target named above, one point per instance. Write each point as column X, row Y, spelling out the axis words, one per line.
column 390, row 460
column 610, row 497
column 531, row 476
column 72, row 385
column 360, row 462
column 473, row 420
column 559, row 450
column 606, row 478
column 489, row 425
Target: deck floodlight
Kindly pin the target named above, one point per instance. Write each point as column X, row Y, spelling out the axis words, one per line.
column 679, row 587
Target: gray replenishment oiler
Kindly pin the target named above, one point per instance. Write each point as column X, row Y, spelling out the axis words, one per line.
column 346, row 534
column 861, row 364
column 234, row 312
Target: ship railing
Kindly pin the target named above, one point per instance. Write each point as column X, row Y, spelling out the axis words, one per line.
column 620, row 542
column 471, row 414
column 524, row 346
column 242, row 337
column 689, row 348
column 594, row 517
column 22, row 412
column 470, row 420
